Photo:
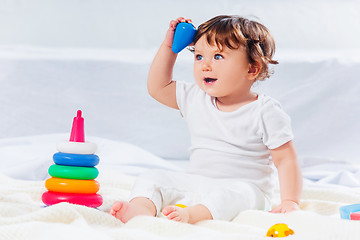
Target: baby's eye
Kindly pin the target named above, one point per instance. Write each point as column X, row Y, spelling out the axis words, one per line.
column 198, row 57
column 218, row 56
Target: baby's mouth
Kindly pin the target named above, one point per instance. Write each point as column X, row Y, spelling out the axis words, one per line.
column 210, row 80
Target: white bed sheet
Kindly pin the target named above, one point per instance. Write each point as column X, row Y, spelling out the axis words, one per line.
column 22, row 216
column 328, row 185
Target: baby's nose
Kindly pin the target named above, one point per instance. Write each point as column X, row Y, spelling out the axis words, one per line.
column 206, row 66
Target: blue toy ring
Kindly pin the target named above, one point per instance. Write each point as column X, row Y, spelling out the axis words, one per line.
column 79, row 160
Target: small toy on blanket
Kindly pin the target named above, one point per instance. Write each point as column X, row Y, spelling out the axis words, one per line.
column 180, row 205
column 73, row 175
column 350, row 212
column 279, row 230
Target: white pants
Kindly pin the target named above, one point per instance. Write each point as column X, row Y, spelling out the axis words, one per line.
column 224, row 198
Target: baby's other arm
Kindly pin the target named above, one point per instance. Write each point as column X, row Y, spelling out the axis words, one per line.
column 160, row 84
column 290, row 179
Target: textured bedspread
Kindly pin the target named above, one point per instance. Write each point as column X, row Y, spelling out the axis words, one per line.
column 23, row 216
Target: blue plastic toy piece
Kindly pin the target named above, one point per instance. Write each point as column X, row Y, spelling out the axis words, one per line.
column 79, row 160
column 184, row 35
column 345, row 211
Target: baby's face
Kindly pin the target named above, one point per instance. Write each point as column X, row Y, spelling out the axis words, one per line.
column 220, row 72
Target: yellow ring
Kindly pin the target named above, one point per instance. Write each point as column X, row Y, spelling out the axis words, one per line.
column 72, row 186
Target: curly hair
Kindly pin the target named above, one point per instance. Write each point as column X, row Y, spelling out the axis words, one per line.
column 234, row 31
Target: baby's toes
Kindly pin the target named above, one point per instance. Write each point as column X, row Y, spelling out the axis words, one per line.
column 167, row 210
column 112, row 212
column 116, row 206
column 177, row 219
column 173, row 215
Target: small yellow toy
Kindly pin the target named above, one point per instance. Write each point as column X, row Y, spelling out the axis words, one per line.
column 279, row 230
column 180, row 205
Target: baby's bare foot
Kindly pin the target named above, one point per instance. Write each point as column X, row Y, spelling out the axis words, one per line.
column 176, row 214
column 125, row 211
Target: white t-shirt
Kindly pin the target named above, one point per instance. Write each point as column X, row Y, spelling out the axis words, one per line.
column 233, row 144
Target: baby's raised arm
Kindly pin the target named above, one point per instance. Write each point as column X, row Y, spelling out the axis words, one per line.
column 160, row 84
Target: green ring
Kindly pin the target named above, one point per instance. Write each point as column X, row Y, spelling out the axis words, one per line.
column 71, row 172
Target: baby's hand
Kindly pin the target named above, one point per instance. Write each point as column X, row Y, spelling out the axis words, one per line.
column 285, row 207
column 172, row 26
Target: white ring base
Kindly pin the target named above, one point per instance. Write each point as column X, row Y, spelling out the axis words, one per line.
column 76, row 147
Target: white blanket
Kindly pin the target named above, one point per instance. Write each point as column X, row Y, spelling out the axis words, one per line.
column 23, row 216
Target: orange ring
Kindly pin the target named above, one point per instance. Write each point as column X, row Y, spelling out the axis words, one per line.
column 72, row 186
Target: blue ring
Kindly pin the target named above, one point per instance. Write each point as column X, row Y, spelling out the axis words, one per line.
column 78, row 160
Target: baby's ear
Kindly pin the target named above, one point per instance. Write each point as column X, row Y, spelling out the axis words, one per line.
column 254, row 70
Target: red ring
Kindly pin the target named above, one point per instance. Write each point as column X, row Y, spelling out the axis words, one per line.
column 89, row 200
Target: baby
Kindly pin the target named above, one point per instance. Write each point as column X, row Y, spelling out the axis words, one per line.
column 233, row 130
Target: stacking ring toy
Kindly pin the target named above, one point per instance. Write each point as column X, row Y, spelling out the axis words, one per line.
column 70, row 172
column 76, row 147
column 79, row 160
column 89, row 200
column 72, row 186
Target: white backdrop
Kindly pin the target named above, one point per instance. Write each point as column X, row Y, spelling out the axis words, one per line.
column 321, row 24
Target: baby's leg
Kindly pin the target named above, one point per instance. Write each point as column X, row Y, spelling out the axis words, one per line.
column 191, row 214
column 124, row 211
